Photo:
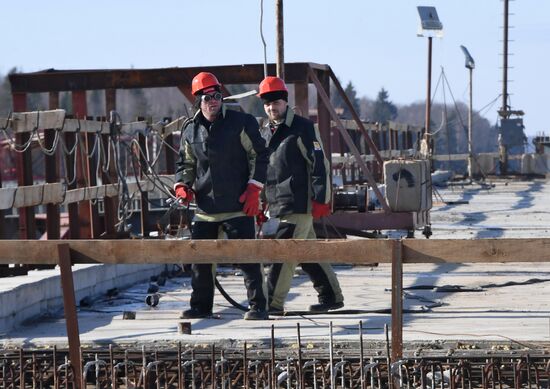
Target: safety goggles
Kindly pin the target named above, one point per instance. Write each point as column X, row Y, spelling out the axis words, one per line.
column 216, row 96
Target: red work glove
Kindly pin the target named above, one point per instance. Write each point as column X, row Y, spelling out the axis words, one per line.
column 184, row 194
column 251, row 200
column 261, row 217
column 319, row 210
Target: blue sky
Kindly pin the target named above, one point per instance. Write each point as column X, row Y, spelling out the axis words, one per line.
column 371, row 43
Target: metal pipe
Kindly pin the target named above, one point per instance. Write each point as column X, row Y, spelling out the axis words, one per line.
column 361, row 355
column 331, row 353
column 280, row 39
column 428, row 90
column 300, row 377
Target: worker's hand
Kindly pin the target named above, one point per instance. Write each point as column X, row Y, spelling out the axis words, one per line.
column 261, row 217
column 319, row 210
column 251, row 200
column 184, row 195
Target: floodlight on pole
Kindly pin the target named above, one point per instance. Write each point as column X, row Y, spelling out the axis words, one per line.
column 470, row 65
column 430, row 26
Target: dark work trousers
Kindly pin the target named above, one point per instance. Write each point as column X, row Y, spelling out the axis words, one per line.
column 321, row 274
column 202, row 281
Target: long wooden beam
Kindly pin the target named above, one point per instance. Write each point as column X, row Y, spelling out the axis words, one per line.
column 361, row 251
column 21, row 122
column 56, row 193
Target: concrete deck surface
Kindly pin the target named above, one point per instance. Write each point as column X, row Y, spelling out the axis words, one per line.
column 515, row 314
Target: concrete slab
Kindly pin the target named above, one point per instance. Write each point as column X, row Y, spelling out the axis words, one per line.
column 488, row 311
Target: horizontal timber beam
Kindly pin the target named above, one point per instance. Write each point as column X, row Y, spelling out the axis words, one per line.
column 360, row 251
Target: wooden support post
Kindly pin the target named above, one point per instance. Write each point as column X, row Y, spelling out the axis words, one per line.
column 74, row 227
column 90, row 171
column 110, row 203
column 301, row 99
column 23, row 163
column 397, row 301
column 169, row 154
column 323, row 114
column 69, row 305
column 82, row 167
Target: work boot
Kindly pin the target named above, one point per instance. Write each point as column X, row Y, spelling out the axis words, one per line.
column 256, row 314
column 194, row 313
column 325, row 306
column 275, row 310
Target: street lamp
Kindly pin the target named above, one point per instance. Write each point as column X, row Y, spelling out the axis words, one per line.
column 429, row 27
column 470, row 65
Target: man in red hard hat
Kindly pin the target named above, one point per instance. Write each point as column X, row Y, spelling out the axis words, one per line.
column 222, row 164
column 297, row 191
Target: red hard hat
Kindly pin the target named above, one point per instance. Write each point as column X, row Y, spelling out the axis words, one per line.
column 272, row 84
column 203, row 80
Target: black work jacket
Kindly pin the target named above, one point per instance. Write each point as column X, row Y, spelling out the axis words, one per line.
column 298, row 171
column 218, row 159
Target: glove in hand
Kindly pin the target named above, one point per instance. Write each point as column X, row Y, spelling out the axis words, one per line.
column 319, row 210
column 184, row 194
column 251, row 200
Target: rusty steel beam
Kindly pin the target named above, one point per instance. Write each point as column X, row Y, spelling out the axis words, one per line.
column 69, row 305
column 85, row 217
column 73, row 80
column 53, row 224
column 323, row 114
column 110, row 203
column 23, row 163
column 144, row 216
column 362, row 164
column 301, row 95
column 356, row 117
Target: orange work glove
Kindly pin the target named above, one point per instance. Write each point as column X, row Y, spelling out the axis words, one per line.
column 184, row 194
column 319, row 210
column 251, row 200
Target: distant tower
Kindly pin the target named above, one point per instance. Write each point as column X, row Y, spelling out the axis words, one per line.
column 511, row 129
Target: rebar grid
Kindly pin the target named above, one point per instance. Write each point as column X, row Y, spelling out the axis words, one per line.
column 256, row 367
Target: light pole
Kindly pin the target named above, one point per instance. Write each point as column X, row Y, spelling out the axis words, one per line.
column 429, row 27
column 470, row 65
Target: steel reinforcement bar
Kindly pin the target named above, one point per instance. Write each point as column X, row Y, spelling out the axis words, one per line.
column 252, row 367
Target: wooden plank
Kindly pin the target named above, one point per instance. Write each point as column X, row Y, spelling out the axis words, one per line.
column 359, row 251
column 481, row 250
column 198, row 251
column 28, row 121
column 55, row 193
column 171, row 127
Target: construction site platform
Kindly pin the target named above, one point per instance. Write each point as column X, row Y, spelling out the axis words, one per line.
column 451, row 304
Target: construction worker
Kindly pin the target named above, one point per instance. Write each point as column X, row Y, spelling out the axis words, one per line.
column 297, row 191
column 222, row 165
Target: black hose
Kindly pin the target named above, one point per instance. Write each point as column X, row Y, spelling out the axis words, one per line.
column 228, row 297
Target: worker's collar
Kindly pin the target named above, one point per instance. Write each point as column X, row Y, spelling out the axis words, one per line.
column 287, row 120
column 199, row 116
